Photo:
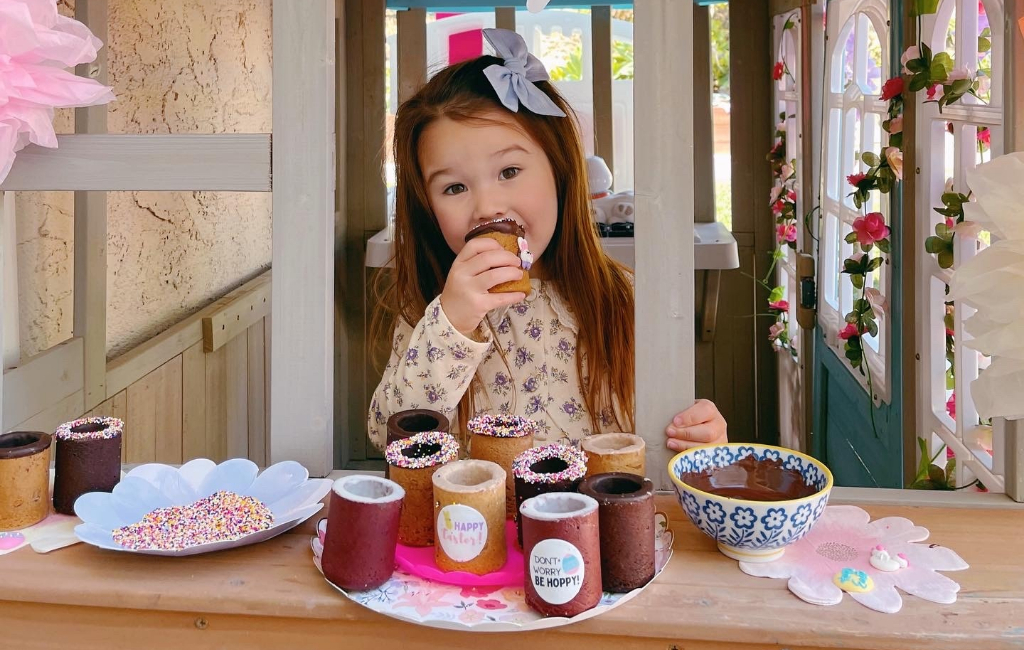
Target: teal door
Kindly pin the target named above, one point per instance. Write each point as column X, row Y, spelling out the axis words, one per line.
column 859, row 435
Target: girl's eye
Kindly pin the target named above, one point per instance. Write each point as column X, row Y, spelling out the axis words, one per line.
column 457, row 188
column 509, row 172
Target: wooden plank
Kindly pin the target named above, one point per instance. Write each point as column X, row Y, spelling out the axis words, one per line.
column 175, row 630
column 236, row 397
column 193, row 403
column 63, row 411
column 703, row 120
column 505, row 18
column 601, row 60
column 412, row 52
column 909, row 249
column 223, row 162
column 90, row 295
column 155, row 416
column 147, row 357
column 115, row 407
column 1014, row 76
column 221, row 594
column 217, row 405
column 751, row 123
column 302, row 386
column 664, row 307
column 266, row 387
column 42, row 381
column 236, row 315
column 1012, row 434
column 256, row 381
column 7, row 303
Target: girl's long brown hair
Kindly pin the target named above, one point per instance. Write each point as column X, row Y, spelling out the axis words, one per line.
column 596, row 288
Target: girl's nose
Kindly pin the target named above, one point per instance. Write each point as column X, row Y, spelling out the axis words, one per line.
column 490, row 204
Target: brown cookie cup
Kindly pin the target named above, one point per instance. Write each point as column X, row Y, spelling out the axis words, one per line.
column 560, row 528
column 362, row 530
column 500, row 439
column 626, row 515
column 473, row 543
column 614, row 452
column 551, row 468
column 412, row 462
column 506, row 232
column 87, row 459
column 24, row 479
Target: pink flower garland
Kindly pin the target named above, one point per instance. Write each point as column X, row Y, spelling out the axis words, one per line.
column 36, row 45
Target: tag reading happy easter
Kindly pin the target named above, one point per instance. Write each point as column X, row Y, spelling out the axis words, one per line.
column 462, row 532
column 556, row 570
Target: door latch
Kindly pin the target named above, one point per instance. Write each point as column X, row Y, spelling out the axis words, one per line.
column 808, row 304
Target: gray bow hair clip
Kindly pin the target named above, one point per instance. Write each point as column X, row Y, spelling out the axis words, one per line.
column 513, row 82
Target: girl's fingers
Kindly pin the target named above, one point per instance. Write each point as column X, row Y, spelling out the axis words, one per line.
column 494, row 277
column 489, row 260
column 702, row 411
column 699, row 434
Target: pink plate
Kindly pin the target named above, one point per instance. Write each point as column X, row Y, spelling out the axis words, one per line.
column 419, row 561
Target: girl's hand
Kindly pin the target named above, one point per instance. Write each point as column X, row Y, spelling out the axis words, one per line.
column 481, row 264
column 701, row 424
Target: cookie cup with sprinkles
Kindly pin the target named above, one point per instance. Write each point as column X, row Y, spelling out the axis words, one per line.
column 412, row 462
column 87, row 459
column 500, row 439
column 551, row 468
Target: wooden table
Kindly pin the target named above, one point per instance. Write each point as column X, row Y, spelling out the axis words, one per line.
column 271, row 596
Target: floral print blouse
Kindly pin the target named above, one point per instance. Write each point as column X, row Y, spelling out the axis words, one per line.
column 432, row 364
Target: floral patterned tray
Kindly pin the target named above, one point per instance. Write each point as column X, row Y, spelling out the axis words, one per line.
column 479, row 609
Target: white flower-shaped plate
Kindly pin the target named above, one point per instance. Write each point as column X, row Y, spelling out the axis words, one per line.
column 285, row 488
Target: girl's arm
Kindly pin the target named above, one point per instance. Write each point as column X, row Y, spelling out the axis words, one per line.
column 431, row 366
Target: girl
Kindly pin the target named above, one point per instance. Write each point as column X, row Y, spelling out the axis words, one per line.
column 491, row 138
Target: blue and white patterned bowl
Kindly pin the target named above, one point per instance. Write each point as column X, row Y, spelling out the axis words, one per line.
column 751, row 531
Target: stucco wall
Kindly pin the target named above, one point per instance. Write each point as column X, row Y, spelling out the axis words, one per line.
column 177, row 66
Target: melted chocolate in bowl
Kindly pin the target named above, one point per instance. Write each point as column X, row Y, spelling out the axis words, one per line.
column 752, row 480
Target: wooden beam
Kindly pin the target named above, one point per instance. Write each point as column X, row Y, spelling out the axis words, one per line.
column 909, row 320
column 90, row 296
column 703, row 119
column 412, row 52
column 664, row 233
column 601, row 60
column 1014, row 76
column 229, row 163
column 505, row 18
column 234, row 317
column 302, row 416
column 55, row 414
column 42, row 381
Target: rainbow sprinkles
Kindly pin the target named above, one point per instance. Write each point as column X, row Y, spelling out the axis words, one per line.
column 502, row 426
column 418, row 451
column 576, row 464
column 90, row 429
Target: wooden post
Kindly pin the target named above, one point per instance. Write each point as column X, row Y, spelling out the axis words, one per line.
column 302, row 350
column 412, row 52
column 703, row 122
column 90, row 281
column 505, row 18
column 664, row 233
column 601, row 60
column 3, row 299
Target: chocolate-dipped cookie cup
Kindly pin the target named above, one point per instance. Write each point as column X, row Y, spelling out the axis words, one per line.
column 551, row 468
column 413, row 462
column 362, row 531
column 500, row 439
column 627, row 528
column 87, row 459
column 512, row 236
column 24, row 478
column 562, row 551
column 404, row 424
